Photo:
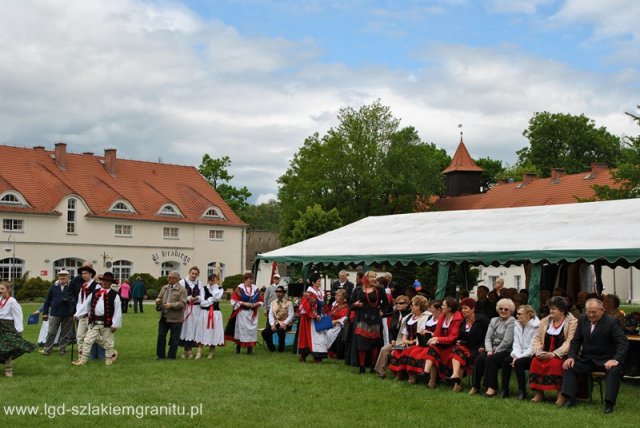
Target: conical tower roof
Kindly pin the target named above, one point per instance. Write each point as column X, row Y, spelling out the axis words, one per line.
column 462, row 161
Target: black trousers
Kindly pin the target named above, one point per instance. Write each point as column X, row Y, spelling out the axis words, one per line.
column 493, row 364
column 137, row 302
column 165, row 327
column 478, row 369
column 267, row 336
column 582, row 367
column 520, row 366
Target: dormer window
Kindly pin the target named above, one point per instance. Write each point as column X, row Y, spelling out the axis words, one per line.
column 12, row 198
column 213, row 212
column 169, row 209
column 122, row 207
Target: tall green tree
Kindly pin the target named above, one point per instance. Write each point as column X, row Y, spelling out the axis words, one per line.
column 627, row 175
column 313, row 222
column 492, row 168
column 558, row 140
column 366, row 165
column 264, row 216
column 216, row 173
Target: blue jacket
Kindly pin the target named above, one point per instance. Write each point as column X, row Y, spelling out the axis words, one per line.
column 59, row 303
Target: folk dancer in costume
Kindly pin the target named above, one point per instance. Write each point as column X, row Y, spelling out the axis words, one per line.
column 105, row 316
column 12, row 345
column 210, row 329
column 191, row 320
column 242, row 327
column 86, row 290
column 311, row 341
column 280, row 320
column 338, row 312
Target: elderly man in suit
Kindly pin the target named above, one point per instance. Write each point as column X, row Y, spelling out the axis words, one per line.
column 598, row 345
column 342, row 283
column 170, row 303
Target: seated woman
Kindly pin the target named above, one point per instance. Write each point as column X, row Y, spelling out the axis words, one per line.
column 401, row 309
column 439, row 352
column 521, row 353
column 469, row 343
column 550, row 347
column 611, row 304
column 497, row 348
column 412, row 326
column 338, row 312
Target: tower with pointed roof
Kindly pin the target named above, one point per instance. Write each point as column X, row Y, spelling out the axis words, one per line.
column 462, row 176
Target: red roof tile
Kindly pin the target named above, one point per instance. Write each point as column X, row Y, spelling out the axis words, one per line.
column 462, row 161
column 543, row 191
column 147, row 186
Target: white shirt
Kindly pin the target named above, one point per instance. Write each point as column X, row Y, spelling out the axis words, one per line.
column 12, row 311
column 116, row 321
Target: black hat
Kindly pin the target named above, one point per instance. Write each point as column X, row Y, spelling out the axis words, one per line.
column 87, row 269
column 280, row 288
column 107, row 276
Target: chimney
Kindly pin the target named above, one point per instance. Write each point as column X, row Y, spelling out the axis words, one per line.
column 556, row 173
column 598, row 167
column 110, row 161
column 528, row 178
column 61, row 155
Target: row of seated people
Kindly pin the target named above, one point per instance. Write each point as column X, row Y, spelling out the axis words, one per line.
column 456, row 341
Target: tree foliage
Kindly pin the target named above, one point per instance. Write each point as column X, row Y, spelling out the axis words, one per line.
column 492, row 168
column 627, row 175
column 313, row 222
column 262, row 217
column 558, row 140
column 366, row 165
column 216, row 173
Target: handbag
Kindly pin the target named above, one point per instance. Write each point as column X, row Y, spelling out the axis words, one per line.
column 324, row 323
column 33, row 318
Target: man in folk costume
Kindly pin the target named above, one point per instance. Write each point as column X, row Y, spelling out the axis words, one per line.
column 195, row 294
column 105, row 316
column 280, row 320
column 86, row 289
column 242, row 327
column 210, row 329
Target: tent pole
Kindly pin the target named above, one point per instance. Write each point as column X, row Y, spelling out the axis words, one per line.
column 443, row 276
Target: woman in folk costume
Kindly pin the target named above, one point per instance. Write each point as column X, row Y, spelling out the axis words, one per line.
column 242, row 327
column 12, row 345
column 210, row 329
column 338, row 312
column 195, row 295
column 311, row 341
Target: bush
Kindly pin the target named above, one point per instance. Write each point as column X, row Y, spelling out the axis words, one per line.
column 232, row 281
column 31, row 288
column 149, row 283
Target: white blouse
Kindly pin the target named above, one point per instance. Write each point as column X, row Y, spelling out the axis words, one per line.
column 12, row 311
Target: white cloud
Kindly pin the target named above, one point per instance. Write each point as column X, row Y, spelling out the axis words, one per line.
column 157, row 81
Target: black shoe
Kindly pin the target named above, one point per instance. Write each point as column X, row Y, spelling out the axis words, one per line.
column 570, row 402
column 608, row 408
column 249, row 350
column 362, row 370
column 504, row 394
column 238, row 349
column 522, row 395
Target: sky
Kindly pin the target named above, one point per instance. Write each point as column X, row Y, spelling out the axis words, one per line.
column 251, row 79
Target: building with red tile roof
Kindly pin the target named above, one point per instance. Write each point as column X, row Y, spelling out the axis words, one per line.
column 128, row 216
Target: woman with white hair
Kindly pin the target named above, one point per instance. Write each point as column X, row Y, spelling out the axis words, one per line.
column 522, row 352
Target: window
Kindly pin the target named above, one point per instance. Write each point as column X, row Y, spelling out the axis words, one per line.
column 71, row 216
column 12, row 198
column 10, row 269
column 12, row 225
column 216, row 235
column 492, row 281
column 213, row 213
column 122, row 207
column 516, row 281
column 169, row 210
column 121, row 269
column 168, row 267
column 123, row 230
column 170, row 232
column 66, row 264
column 213, row 268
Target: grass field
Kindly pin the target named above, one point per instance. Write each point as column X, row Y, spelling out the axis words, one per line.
column 265, row 390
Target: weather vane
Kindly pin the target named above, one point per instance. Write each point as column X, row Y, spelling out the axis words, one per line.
column 460, row 127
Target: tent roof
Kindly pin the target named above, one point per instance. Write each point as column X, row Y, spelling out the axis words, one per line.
column 589, row 231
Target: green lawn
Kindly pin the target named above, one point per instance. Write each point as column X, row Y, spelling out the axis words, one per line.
column 265, row 390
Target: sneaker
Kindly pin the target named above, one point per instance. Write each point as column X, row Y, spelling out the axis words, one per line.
column 78, row 363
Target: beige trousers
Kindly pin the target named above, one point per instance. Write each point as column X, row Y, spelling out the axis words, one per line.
column 83, row 326
column 101, row 335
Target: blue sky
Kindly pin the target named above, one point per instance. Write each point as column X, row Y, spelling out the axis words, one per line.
column 173, row 80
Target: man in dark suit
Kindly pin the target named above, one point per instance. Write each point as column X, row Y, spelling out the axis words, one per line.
column 342, row 283
column 598, row 345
